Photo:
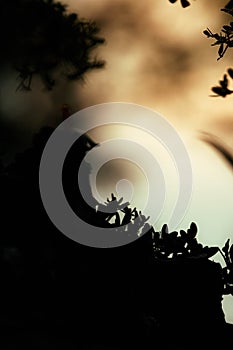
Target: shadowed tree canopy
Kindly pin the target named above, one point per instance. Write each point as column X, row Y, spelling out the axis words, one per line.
column 40, row 37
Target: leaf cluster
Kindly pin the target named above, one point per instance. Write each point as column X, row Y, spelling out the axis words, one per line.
column 133, row 221
column 181, row 244
column 224, row 41
column 222, row 89
column 227, row 253
column 184, row 3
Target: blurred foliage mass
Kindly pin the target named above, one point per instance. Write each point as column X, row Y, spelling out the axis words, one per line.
column 40, row 37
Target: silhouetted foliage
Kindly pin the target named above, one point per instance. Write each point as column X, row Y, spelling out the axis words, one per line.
column 157, row 289
column 228, row 8
column 184, row 3
column 227, row 253
column 161, row 283
column 180, row 245
column 223, row 90
column 224, row 41
column 39, row 37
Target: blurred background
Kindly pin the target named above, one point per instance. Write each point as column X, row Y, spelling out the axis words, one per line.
column 156, row 56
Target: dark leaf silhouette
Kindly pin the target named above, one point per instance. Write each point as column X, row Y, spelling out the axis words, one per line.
column 207, row 33
column 164, row 231
column 222, row 90
column 225, row 249
column 224, row 82
column 230, row 72
column 220, row 50
column 184, row 3
column 231, row 253
column 192, row 231
column 183, row 233
column 174, row 234
column 229, row 11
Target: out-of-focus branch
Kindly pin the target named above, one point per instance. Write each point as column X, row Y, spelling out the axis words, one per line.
column 224, row 150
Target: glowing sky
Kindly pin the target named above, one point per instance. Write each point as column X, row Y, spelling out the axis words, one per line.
column 157, row 56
